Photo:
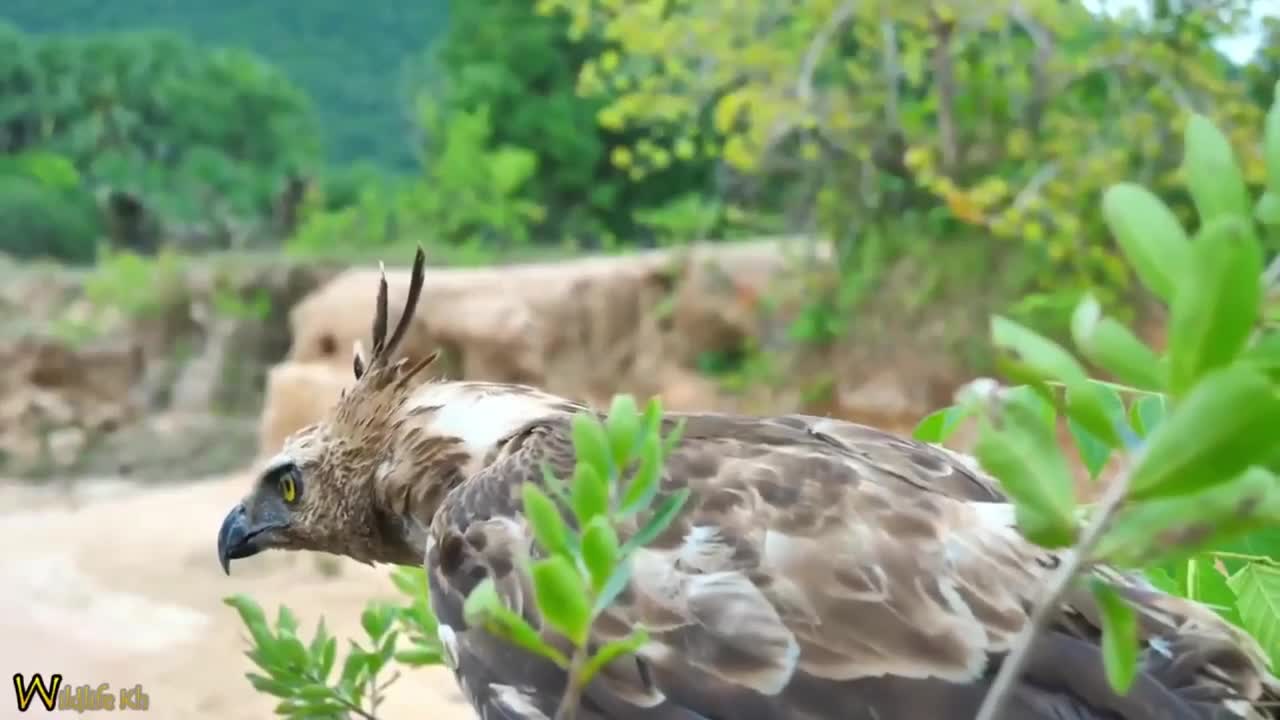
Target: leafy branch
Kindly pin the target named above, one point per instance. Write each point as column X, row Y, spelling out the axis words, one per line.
column 1196, row 443
column 586, row 566
column 301, row 673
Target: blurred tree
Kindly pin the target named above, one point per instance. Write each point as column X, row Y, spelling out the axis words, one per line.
column 204, row 139
column 886, row 122
column 521, row 69
column 347, row 56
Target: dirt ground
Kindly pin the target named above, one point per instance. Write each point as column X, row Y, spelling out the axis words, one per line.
column 125, row 589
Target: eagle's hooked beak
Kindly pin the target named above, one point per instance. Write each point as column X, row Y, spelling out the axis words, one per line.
column 236, row 539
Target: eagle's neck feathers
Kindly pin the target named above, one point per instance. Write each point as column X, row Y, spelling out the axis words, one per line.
column 441, row 435
column 479, row 416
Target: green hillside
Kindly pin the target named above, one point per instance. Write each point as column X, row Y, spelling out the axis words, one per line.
column 347, row 56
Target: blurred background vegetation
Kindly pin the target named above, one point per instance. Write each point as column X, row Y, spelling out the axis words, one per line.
column 949, row 152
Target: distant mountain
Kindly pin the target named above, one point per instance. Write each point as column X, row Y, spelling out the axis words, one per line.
column 348, row 56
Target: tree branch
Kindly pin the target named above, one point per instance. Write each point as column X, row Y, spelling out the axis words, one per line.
column 818, row 46
column 1048, row 606
column 945, row 77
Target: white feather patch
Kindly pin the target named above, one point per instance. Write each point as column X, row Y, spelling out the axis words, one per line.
column 478, row 416
column 517, row 701
column 449, row 643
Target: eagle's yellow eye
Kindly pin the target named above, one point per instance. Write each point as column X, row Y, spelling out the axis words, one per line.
column 288, row 490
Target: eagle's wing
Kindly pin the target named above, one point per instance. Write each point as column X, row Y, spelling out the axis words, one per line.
column 821, row 569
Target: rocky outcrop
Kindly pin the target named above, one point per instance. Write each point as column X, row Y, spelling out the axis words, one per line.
column 585, row 328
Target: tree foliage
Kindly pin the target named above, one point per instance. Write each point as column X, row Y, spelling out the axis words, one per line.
column 348, row 57
column 1197, row 497
column 199, row 137
column 1002, row 120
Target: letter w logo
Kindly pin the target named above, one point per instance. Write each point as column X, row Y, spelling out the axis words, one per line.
column 25, row 691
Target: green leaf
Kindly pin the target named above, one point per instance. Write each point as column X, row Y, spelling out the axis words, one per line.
column 1267, row 211
column 270, row 686
column 562, row 597
column 1162, row 580
column 1264, row 354
column 591, row 444
column 599, row 551
column 613, row 586
column 1094, row 453
column 252, row 616
column 544, row 517
column 1119, row 636
column 286, row 621
column 612, row 651
column 327, row 657
column 623, row 426
column 651, row 422
column 1224, row 425
column 1257, row 589
column 1271, row 143
column 1045, row 358
column 1146, row 414
column 590, row 494
column 673, row 438
column 1163, row 529
column 658, row 521
column 1113, row 347
column 1214, row 179
column 376, row 619
column 1216, row 307
column 420, row 656
column 644, row 485
column 1150, row 236
column 484, row 608
column 1207, row 585
column 1025, row 456
column 937, row 426
column 353, row 667
column 409, row 580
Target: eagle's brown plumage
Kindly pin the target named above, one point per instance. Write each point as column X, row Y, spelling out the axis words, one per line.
column 821, row 569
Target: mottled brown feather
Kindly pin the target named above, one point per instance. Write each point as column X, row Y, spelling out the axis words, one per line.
column 829, row 555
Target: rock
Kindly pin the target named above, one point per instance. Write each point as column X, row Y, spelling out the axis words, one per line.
column 586, row 328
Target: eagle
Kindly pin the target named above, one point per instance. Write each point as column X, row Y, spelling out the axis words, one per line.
column 819, row 570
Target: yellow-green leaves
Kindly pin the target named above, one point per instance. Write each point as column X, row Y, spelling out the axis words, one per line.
column 1216, row 306
column 1271, row 145
column 1114, row 347
column 562, row 597
column 591, row 444
column 1043, row 360
column 485, row 608
column 1213, row 177
column 545, row 519
column 1119, row 636
column 1257, row 588
column 1227, row 423
column 1149, row 235
column 1024, row 454
column 583, row 568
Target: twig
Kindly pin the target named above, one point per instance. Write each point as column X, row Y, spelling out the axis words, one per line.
column 568, row 709
column 1011, row 670
column 818, row 46
column 347, row 704
column 944, row 75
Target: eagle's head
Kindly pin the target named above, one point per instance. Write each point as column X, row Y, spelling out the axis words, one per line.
column 319, row 492
column 365, row 482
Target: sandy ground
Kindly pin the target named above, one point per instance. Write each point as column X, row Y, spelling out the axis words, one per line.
column 126, row 589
